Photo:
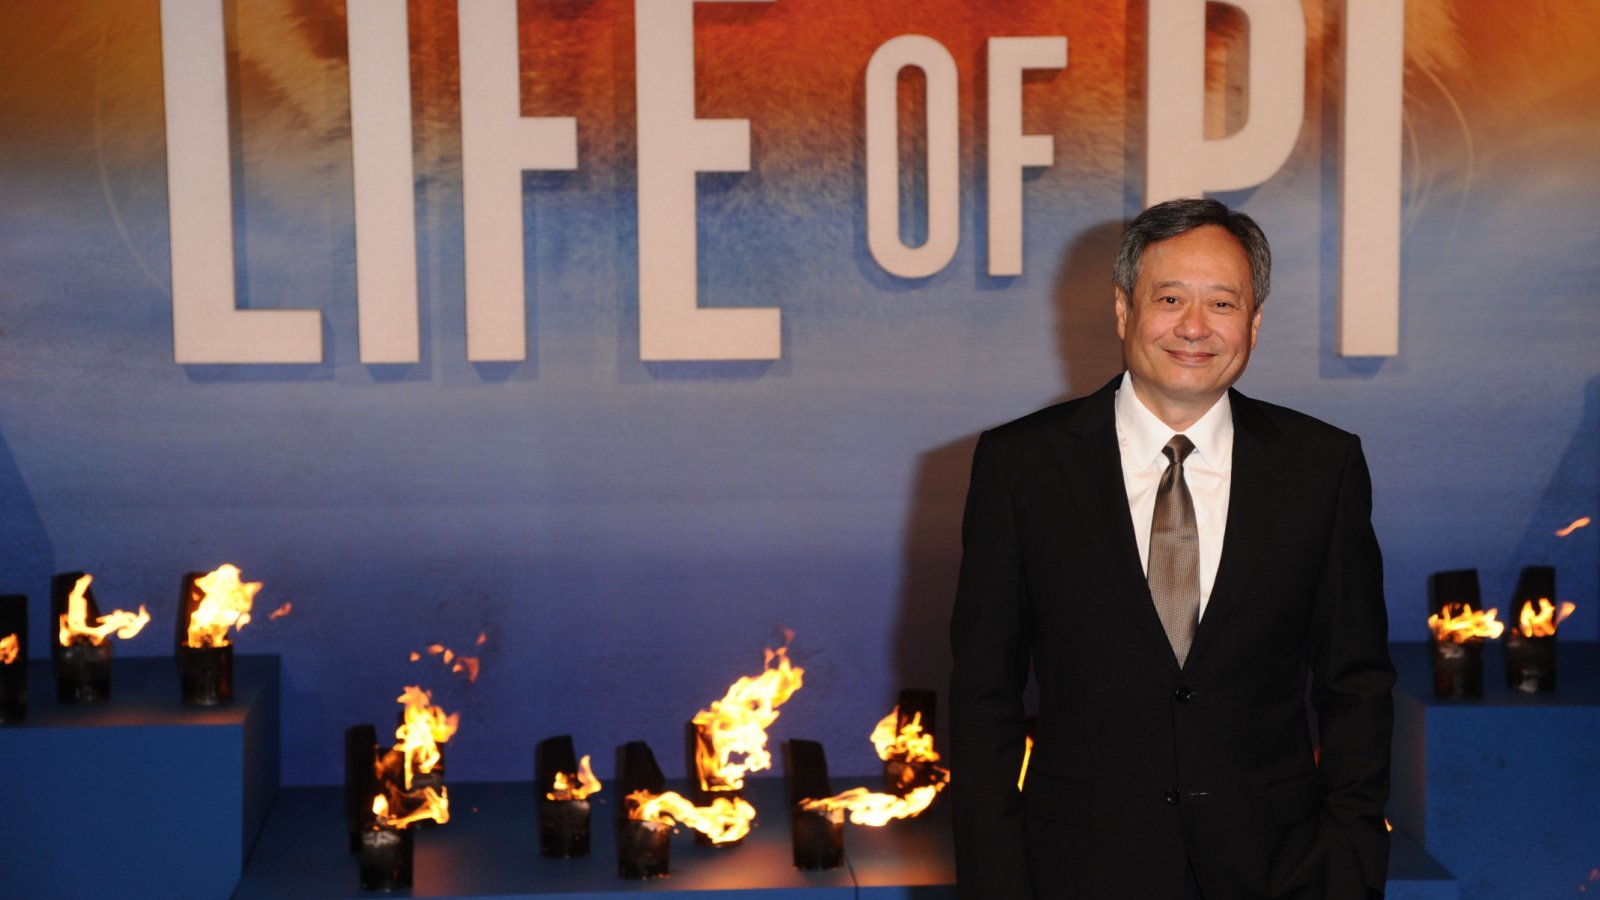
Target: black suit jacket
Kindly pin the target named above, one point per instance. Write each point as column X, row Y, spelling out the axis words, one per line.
column 1142, row 769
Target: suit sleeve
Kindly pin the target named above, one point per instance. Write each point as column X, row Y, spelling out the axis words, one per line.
column 1352, row 683
column 990, row 643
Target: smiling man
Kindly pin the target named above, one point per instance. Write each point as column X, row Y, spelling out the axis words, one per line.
column 1180, row 567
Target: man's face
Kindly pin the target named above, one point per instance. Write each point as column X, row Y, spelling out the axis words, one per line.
column 1190, row 325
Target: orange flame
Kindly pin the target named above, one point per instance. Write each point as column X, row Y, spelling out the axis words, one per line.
column 908, row 744
column 9, row 648
column 225, row 602
column 1027, row 754
column 281, row 611
column 870, row 808
column 737, row 724
column 435, row 805
column 425, row 727
column 1576, row 524
column 1543, row 623
column 461, row 665
column 1460, row 624
column 564, row 789
column 724, row 821
column 74, row 626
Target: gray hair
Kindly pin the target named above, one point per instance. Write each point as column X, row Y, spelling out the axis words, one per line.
column 1175, row 218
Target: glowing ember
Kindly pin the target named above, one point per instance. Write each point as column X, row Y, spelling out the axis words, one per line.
column 224, row 602
column 75, row 628
column 723, row 821
column 1459, row 623
column 434, row 805
column 281, row 611
column 9, row 646
column 564, row 789
column 911, row 746
column 461, row 665
column 1027, row 754
column 1576, row 524
column 1543, row 621
column 736, row 725
column 425, row 727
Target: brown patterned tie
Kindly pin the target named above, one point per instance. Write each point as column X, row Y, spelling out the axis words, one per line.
column 1174, row 570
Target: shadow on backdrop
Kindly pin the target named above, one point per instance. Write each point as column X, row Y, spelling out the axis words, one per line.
column 1090, row 355
column 29, row 558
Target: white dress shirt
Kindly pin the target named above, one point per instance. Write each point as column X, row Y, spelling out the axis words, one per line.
column 1208, row 471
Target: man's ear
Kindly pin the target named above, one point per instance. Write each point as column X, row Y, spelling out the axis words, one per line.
column 1255, row 326
column 1123, row 308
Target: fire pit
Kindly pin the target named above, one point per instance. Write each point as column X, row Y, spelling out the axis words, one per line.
column 401, row 799
column 728, row 739
column 1531, row 642
column 1458, row 636
column 211, row 603
column 923, row 779
column 817, row 835
column 82, row 653
column 13, row 658
column 565, row 784
column 360, row 780
column 905, row 745
column 650, row 812
column 644, row 850
column 1458, row 632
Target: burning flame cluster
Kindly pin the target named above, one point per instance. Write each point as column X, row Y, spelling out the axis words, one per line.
column 907, row 744
column 1459, row 623
column 736, row 725
column 723, row 821
column 733, row 743
column 9, row 647
column 1543, row 621
column 416, row 752
column 76, row 629
column 461, row 665
column 225, row 603
column 424, row 728
column 580, row 785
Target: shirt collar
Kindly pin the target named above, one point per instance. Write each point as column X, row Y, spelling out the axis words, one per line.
column 1144, row 434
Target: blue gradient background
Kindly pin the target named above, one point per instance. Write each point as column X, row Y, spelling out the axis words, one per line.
column 630, row 536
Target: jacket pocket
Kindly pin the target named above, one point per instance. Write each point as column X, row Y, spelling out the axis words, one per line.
column 1294, row 799
column 1056, row 799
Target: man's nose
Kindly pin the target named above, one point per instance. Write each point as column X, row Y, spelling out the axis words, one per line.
column 1192, row 324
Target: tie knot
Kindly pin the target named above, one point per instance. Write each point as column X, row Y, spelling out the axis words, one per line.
column 1178, row 449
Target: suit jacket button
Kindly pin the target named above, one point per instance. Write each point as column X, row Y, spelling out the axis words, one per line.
column 1172, row 796
column 1182, row 694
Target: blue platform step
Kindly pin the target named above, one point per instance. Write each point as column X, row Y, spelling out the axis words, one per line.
column 139, row 796
column 1504, row 791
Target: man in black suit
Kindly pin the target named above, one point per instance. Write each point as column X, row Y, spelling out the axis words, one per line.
column 1180, row 566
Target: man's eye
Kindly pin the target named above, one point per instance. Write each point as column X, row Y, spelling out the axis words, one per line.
column 1170, row 301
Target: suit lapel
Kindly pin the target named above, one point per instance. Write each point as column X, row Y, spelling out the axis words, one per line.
column 1090, row 461
column 1252, row 499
